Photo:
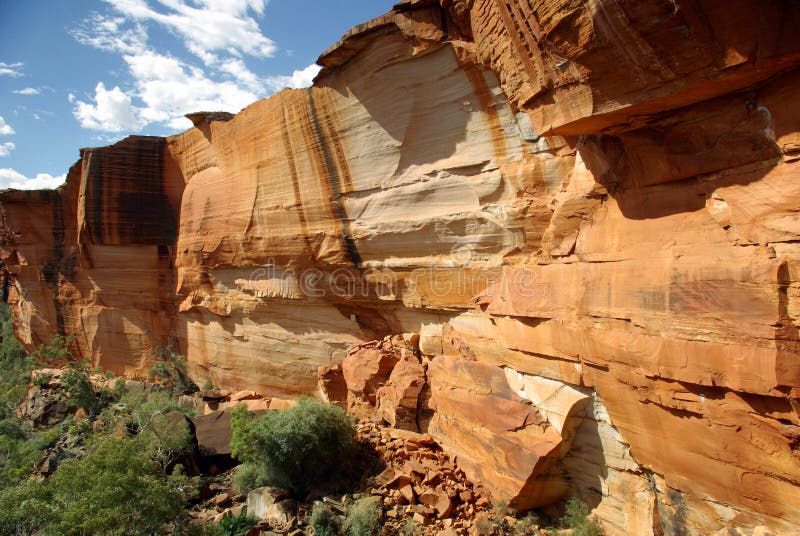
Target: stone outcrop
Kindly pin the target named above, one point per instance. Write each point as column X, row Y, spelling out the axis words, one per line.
column 592, row 200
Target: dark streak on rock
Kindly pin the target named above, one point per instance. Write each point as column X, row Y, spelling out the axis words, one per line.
column 332, row 178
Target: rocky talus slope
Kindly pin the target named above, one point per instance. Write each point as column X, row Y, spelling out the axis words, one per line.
column 583, row 214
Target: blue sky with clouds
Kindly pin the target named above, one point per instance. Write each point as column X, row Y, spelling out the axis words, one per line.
column 83, row 73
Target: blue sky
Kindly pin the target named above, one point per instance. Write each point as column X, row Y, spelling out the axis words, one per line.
column 84, row 73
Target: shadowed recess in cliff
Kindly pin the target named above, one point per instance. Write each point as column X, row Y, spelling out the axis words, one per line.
column 125, row 198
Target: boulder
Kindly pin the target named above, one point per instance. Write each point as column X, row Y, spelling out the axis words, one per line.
column 260, row 500
column 213, row 432
column 332, row 384
column 500, row 439
column 398, row 399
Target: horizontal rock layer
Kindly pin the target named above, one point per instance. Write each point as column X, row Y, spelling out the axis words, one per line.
column 596, row 193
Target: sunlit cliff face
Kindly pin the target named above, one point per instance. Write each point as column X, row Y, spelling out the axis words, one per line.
column 586, row 210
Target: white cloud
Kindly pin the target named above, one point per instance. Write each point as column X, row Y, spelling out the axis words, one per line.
column 10, row 178
column 27, row 91
column 163, row 87
column 299, row 79
column 5, row 128
column 207, row 26
column 239, row 71
column 11, row 69
column 6, row 148
column 112, row 111
column 111, row 34
column 170, row 89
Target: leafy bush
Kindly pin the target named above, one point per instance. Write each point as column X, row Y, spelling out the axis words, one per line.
column 410, row 528
column 363, row 518
column 249, row 476
column 25, row 508
column 117, row 488
column 20, row 455
column 324, row 521
column 172, row 372
column 14, row 364
column 576, row 517
column 302, row 448
column 148, row 417
column 80, row 393
column 54, row 354
column 236, row 525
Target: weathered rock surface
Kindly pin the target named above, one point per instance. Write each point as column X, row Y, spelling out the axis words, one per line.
column 598, row 193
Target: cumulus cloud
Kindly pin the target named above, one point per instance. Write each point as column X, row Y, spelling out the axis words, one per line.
column 10, row 178
column 11, row 69
column 207, row 26
column 164, row 87
column 27, row 91
column 299, row 79
column 6, row 148
column 5, row 128
column 170, row 89
column 110, row 111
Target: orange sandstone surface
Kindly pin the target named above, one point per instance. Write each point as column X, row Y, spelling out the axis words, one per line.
column 582, row 214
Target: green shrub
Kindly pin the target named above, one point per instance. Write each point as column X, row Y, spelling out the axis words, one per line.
column 117, row 489
column 410, row 528
column 25, row 509
column 363, row 518
column 526, row 525
column 20, row 455
column 299, row 449
column 249, row 476
column 80, row 393
column 15, row 366
column 54, row 354
column 324, row 521
column 146, row 416
column 576, row 517
column 236, row 525
column 172, row 372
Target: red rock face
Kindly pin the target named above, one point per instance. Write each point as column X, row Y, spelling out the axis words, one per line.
column 594, row 193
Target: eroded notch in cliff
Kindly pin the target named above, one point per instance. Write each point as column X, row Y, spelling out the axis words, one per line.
column 126, row 201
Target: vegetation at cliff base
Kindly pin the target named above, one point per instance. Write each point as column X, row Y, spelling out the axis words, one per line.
column 304, row 448
column 576, row 517
column 106, row 466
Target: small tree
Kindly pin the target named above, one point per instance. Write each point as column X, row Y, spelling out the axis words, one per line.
column 80, row 393
column 116, row 489
column 14, row 364
column 324, row 521
column 363, row 518
column 172, row 371
column 55, row 353
column 302, row 448
column 576, row 517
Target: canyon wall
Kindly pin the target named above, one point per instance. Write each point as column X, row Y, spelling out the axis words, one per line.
column 587, row 210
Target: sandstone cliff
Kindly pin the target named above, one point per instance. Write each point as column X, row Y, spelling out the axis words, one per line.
column 587, row 210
